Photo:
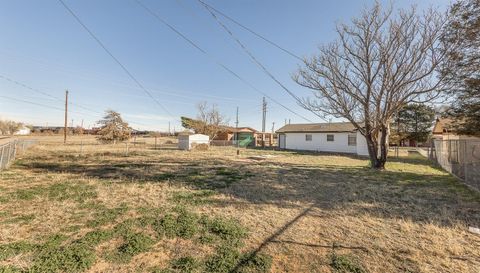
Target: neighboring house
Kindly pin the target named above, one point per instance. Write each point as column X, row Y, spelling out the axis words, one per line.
column 232, row 133
column 335, row 137
column 246, row 136
column 444, row 130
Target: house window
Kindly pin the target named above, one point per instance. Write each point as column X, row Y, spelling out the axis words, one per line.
column 352, row 140
column 330, row 137
column 308, row 137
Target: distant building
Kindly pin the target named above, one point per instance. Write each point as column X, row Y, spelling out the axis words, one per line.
column 23, row 131
column 444, row 130
column 245, row 136
column 334, row 137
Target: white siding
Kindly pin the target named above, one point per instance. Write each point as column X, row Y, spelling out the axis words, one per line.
column 185, row 141
column 362, row 148
column 296, row 141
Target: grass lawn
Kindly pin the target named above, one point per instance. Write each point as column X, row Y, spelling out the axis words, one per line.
column 83, row 207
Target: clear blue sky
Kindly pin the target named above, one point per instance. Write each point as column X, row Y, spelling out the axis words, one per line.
column 41, row 45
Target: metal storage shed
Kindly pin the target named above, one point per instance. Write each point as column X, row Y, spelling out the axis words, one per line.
column 185, row 141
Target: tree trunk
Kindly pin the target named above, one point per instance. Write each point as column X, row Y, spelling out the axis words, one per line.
column 378, row 150
column 384, row 146
column 372, row 146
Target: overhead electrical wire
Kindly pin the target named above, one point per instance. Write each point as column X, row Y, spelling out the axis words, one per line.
column 155, row 15
column 45, row 93
column 255, row 60
column 53, row 97
column 140, row 85
column 43, row 105
column 252, row 31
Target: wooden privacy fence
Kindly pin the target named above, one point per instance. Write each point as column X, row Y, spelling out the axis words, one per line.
column 460, row 158
column 9, row 150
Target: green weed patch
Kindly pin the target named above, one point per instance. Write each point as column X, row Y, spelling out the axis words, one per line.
column 106, row 215
column 345, row 264
column 15, row 248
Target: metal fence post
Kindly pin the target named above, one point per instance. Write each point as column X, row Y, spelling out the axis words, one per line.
column 8, row 154
column 1, row 157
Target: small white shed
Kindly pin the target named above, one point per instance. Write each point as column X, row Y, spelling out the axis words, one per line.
column 23, row 131
column 185, row 141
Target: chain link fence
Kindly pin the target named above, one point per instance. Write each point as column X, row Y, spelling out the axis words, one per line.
column 460, row 158
column 9, row 150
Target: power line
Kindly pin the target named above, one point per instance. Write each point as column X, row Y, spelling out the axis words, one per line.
column 45, row 93
column 252, row 31
column 44, row 105
column 113, row 57
column 28, row 87
column 155, row 15
column 255, row 60
column 58, row 108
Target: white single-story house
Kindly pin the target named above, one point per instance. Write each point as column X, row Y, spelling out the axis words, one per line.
column 334, row 137
column 186, row 141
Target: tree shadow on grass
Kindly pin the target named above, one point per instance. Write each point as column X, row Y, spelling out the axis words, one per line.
column 422, row 197
column 419, row 196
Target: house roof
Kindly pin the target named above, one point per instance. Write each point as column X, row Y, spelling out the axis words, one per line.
column 318, row 127
column 240, row 129
column 441, row 126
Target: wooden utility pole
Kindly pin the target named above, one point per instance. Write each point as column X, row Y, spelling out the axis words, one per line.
column 66, row 118
column 235, row 136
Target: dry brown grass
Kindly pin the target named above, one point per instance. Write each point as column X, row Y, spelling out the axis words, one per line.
column 299, row 208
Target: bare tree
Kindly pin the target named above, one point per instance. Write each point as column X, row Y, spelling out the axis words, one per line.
column 9, row 127
column 379, row 63
column 209, row 120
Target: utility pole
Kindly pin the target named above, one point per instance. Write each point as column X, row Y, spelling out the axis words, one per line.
column 235, row 136
column 82, row 124
column 66, row 118
column 169, row 134
column 273, row 132
column 264, row 117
